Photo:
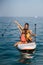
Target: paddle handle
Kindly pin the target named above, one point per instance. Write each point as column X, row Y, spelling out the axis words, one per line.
column 35, row 32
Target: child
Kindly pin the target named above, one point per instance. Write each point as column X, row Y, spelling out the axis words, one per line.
column 23, row 37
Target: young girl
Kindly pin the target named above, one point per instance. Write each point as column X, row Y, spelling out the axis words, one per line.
column 22, row 39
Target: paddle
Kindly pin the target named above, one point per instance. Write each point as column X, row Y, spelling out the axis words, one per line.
column 35, row 32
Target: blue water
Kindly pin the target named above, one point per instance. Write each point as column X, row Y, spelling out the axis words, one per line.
column 9, row 35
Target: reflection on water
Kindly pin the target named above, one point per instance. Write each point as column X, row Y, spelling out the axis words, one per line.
column 25, row 61
column 26, row 58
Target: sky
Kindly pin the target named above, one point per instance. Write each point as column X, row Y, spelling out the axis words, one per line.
column 21, row 8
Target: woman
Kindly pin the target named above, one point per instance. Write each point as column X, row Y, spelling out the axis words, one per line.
column 26, row 33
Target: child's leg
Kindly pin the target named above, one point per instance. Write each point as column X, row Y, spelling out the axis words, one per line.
column 17, row 43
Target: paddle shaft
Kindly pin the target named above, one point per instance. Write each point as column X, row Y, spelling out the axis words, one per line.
column 35, row 32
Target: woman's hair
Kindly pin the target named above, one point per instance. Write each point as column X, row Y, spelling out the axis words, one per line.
column 26, row 24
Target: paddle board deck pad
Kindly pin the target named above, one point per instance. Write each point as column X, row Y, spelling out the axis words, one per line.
column 27, row 48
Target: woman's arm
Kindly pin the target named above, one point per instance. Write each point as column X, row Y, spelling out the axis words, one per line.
column 19, row 26
column 20, row 29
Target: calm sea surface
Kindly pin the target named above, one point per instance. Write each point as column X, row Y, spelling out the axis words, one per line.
column 9, row 35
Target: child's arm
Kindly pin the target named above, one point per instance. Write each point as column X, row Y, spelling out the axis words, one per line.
column 32, row 33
